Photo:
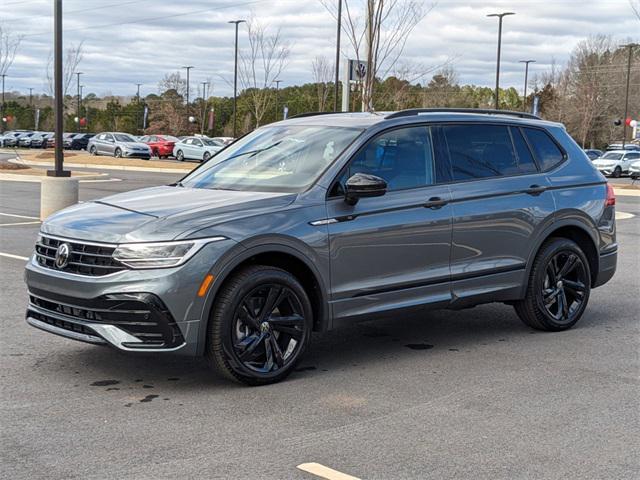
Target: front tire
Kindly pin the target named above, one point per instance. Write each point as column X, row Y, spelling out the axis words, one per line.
column 117, row 153
column 206, row 156
column 93, row 150
column 558, row 289
column 180, row 156
column 617, row 172
column 260, row 326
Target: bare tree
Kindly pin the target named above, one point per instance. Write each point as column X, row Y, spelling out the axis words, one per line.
column 71, row 59
column 260, row 65
column 173, row 81
column 378, row 34
column 635, row 6
column 322, row 72
column 9, row 43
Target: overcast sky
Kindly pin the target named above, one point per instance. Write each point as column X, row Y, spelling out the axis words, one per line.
column 128, row 42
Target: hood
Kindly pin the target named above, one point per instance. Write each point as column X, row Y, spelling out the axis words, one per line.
column 141, row 145
column 605, row 161
column 159, row 213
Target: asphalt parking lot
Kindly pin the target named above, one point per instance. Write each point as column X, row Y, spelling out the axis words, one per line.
column 467, row 394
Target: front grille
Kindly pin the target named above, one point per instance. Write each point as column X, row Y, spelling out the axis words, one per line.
column 85, row 258
column 142, row 315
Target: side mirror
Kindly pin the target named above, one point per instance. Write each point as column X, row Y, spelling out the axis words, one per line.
column 362, row 185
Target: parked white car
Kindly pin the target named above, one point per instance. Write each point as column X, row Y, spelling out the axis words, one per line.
column 196, row 148
column 634, row 170
column 616, row 162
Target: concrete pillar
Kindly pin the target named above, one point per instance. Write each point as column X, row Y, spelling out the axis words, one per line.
column 57, row 193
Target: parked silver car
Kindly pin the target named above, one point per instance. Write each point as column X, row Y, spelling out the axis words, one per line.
column 118, row 145
column 196, row 148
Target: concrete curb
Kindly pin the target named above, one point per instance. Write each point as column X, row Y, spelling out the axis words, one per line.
column 107, row 167
column 16, row 177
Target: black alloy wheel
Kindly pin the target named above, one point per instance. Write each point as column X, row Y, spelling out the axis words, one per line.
column 559, row 287
column 260, row 327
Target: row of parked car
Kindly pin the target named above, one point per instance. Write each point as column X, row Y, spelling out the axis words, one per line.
column 120, row 144
column 617, row 161
column 162, row 146
column 29, row 139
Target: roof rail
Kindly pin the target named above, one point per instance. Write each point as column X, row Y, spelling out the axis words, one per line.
column 418, row 111
column 312, row 114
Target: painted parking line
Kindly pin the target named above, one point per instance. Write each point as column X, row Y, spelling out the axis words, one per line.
column 626, row 192
column 18, row 216
column 15, row 257
column 624, row 215
column 324, row 472
column 15, row 224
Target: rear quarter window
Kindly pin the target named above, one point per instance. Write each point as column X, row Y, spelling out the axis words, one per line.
column 547, row 153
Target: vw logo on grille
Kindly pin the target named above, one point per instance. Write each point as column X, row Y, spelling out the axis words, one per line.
column 62, row 255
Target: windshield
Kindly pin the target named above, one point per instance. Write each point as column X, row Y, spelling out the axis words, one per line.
column 612, row 156
column 274, row 159
column 169, row 138
column 212, row 143
column 124, row 138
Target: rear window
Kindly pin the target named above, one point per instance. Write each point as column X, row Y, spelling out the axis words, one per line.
column 544, row 148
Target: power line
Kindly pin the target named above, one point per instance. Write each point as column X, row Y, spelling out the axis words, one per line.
column 48, row 15
column 152, row 19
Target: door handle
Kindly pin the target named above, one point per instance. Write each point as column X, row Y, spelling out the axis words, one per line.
column 535, row 190
column 435, row 203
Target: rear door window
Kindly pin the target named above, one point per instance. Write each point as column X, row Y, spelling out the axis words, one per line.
column 484, row 151
column 547, row 153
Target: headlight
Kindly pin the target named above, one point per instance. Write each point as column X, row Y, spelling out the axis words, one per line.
column 161, row 254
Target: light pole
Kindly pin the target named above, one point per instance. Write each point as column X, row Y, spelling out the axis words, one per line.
column 204, row 105
column 31, row 96
column 278, row 82
column 526, row 79
column 630, row 47
column 235, row 75
column 79, row 99
column 138, row 106
column 59, row 101
column 500, row 17
column 188, row 69
column 2, row 106
column 335, row 86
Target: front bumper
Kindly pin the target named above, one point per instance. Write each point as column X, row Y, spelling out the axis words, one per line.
column 134, row 310
column 133, row 154
column 606, row 170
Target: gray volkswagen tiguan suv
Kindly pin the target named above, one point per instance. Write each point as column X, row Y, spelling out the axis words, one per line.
column 319, row 219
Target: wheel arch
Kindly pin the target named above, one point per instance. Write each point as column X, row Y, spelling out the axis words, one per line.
column 276, row 255
column 576, row 231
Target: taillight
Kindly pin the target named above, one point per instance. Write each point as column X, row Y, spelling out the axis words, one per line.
column 611, row 196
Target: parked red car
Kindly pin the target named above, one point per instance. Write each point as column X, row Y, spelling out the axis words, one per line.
column 161, row 145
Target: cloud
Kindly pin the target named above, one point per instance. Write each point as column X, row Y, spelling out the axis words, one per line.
column 138, row 41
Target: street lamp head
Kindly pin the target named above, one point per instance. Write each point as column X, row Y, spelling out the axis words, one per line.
column 500, row 15
column 237, row 21
column 527, row 61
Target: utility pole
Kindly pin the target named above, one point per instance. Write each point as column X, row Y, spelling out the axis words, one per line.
column 59, row 101
column 369, row 78
column 188, row 69
column 630, row 47
column 31, row 96
column 235, row 75
column 337, row 77
column 2, row 122
column 204, row 106
column 138, row 107
column 278, row 82
column 526, row 79
column 500, row 17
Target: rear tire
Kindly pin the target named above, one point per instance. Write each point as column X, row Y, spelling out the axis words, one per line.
column 558, row 288
column 260, row 326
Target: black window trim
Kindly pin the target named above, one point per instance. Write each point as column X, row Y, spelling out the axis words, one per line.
column 427, row 125
column 552, row 138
